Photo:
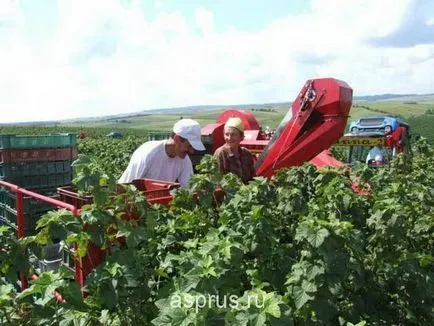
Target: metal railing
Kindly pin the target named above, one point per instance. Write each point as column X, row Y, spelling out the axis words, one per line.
column 20, row 193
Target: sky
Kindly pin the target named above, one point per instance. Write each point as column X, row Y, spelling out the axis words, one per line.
column 62, row 59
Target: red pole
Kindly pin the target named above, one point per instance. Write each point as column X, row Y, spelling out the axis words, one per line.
column 21, row 232
column 20, row 216
column 40, row 197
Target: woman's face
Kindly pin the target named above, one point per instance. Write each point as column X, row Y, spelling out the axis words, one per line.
column 232, row 137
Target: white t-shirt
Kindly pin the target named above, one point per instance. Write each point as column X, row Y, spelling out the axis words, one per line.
column 151, row 161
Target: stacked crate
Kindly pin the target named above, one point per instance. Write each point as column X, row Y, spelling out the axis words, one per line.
column 159, row 134
column 40, row 163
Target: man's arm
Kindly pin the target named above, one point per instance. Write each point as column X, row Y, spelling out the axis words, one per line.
column 186, row 172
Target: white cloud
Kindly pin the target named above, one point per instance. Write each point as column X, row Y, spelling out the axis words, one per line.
column 106, row 58
column 204, row 20
column 10, row 14
column 158, row 4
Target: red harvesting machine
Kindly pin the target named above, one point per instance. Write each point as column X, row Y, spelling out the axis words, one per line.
column 315, row 121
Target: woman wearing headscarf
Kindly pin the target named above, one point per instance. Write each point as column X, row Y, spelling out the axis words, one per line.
column 232, row 157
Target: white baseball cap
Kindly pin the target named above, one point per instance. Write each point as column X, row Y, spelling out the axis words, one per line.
column 190, row 130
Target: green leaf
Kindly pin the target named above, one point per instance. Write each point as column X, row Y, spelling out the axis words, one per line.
column 426, row 260
column 257, row 212
column 57, row 231
column 6, row 293
column 174, row 317
column 102, row 217
column 258, row 319
column 300, row 296
column 346, row 201
column 273, row 309
column 191, row 243
column 190, row 282
column 97, row 234
column 316, row 238
column 136, row 237
column 314, row 271
column 72, row 295
column 308, row 287
column 361, row 323
column 109, row 295
column 68, row 321
column 105, row 317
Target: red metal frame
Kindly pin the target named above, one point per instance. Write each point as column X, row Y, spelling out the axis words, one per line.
column 397, row 139
column 20, row 193
column 319, row 117
column 325, row 158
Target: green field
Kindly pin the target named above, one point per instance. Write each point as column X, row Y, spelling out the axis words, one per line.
column 418, row 113
column 166, row 121
column 272, row 118
column 414, row 112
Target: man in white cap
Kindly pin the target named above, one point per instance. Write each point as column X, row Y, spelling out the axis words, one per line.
column 231, row 157
column 167, row 159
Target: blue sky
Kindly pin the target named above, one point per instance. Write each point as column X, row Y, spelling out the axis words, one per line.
column 77, row 58
column 243, row 14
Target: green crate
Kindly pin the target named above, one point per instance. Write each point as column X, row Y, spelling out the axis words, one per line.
column 159, row 134
column 30, row 204
column 3, row 221
column 46, row 265
column 9, row 217
column 63, row 166
column 51, row 257
column 38, row 141
column 68, row 259
column 41, row 181
column 32, row 169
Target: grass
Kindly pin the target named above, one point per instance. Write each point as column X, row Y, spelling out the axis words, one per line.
column 166, row 121
column 404, row 109
column 410, row 111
